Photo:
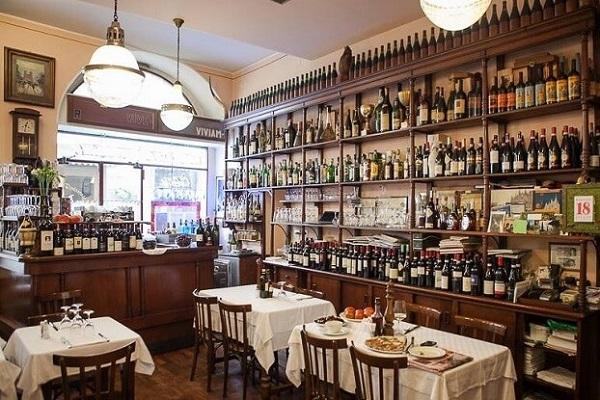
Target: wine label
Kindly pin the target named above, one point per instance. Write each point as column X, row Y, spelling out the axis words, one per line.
column 384, row 122
column 110, row 244
column 438, row 279
column 86, row 244
column 494, row 157
column 529, row 96
column 506, row 166
column 519, row 165
column 423, row 115
column 540, row 94
column 595, row 161
column 132, row 242
column 69, row 244
column 488, row 287
column 502, row 101
column 439, row 170
column 493, row 103
column 466, row 284
column 140, row 245
column 499, row 287
column 414, row 272
column 420, row 270
column 59, row 251
column 511, row 99
column 459, row 106
column 574, row 87
column 46, row 240
column 520, row 98
column 444, row 284
column 394, row 273
column 77, row 242
column 562, row 90
column 94, row 243
column 118, row 245
column 551, row 92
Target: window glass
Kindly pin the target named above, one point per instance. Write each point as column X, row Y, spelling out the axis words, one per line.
column 155, row 92
column 122, row 188
column 81, row 184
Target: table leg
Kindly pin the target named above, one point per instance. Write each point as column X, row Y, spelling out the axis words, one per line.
column 265, row 384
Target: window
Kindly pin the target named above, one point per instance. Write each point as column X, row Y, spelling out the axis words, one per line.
column 153, row 94
column 163, row 180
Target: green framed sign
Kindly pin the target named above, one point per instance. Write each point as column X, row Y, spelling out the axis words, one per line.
column 581, row 207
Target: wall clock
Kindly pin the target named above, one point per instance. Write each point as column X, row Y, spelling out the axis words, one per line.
column 26, row 129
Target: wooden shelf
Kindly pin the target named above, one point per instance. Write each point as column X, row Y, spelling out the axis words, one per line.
column 535, row 174
column 235, row 159
column 537, row 111
column 380, row 182
column 548, row 385
column 448, row 178
column 446, row 232
column 257, row 156
column 289, row 150
column 556, row 238
column 375, row 228
column 321, row 145
column 449, row 125
column 404, row 132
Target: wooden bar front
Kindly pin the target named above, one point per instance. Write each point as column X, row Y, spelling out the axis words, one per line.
column 150, row 294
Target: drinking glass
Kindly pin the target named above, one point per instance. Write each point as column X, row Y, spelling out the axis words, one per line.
column 88, row 324
column 399, row 310
column 65, row 319
column 77, row 321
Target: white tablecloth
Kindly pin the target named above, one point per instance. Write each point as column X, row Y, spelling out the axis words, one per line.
column 491, row 374
column 272, row 320
column 8, row 376
column 33, row 354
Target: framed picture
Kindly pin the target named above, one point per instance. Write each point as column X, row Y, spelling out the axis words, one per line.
column 472, row 200
column 547, row 200
column 220, row 197
column 505, row 76
column 581, row 208
column 567, row 255
column 496, row 221
column 28, row 78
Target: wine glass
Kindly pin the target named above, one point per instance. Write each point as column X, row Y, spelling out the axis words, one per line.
column 77, row 321
column 65, row 319
column 88, row 324
column 399, row 310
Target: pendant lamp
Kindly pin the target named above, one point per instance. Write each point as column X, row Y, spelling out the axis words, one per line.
column 454, row 15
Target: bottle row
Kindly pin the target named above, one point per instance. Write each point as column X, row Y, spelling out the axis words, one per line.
column 204, row 234
column 428, row 269
column 245, row 207
column 381, row 58
column 506, row 155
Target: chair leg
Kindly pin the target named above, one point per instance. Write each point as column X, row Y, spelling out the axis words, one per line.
column 244, row 365
column 210, row 355
column 195, row 361
column 225, row 371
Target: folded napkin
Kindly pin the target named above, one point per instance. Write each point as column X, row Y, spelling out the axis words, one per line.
column 440, row 365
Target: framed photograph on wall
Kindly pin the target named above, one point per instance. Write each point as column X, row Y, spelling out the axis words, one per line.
column 547, row 200
column 28, row 78
column 220, row 197
column 567, row 255
column 497, row 221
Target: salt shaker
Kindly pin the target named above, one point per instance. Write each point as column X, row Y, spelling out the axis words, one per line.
column 45, row 329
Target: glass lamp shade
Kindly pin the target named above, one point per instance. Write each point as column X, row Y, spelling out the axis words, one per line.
column 454, row 15
column 177, row 114
column 113, row 76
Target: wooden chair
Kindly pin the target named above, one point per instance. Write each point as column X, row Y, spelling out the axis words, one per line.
column 34, row 320
column 480, row 329
column 204, row 333
column 310, row 292
column 316, row 379
column 425, row 316
column 51, row 303
column 364, row 381
column 101, row 389
column 234, row 326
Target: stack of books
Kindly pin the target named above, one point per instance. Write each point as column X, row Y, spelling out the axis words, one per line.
column 534, row 359
column 563, row 340
column 459, row 245
column 558, row 376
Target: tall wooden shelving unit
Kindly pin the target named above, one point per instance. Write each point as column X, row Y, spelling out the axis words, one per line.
column 581, row 24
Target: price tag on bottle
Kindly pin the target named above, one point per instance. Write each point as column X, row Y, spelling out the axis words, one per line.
column 583, row 209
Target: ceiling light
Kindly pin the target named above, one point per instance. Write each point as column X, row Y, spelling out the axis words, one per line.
column 454, row 15
column 177, row 114
column 113, row 75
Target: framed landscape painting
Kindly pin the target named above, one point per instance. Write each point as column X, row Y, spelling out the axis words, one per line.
column 28, row 78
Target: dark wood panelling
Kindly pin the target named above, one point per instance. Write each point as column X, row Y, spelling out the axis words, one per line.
column 111, row 300
column 354, row 295
column 328, row 285
column 289, row 275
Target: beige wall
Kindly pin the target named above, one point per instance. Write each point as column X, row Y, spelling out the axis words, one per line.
column 72, row 51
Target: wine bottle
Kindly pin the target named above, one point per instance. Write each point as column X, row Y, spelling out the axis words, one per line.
column 46, row 232
column 424, row 45
column 408, row 51
column 484, row 29
column 548, row 10
column 432, row 43
column 562, row 83
column 530, row 91
column 507, row 155
column 449, row 41
column 395, row 54
column 520, row 93
column 381, row 63
column 457, row 39
column 559, row 8
column 440, row 42
column 460, row 102
column 574, row 81
column 388, row 56
column 543, row 152
column 401, row 53
column 475, row 32
column 441, row 108
column 566, row 149
column 424, row 110
column 525, row 14
column 494, row 23
column 488, row 281
column 493, row 97
column 515, row 18
column 416, row 47
column 510, row 95
column 554, row 151
column 519, row 155
column 532, row 153
column 536, row 12
column 540, row 89
column 376, row 60
column 504, row 24
column 502, row 100
column 385, row 119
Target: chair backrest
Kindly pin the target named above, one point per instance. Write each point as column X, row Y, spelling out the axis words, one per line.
column 34, row 320
column 98, row 366
column 234, row 326
column 311, row 292
column 425, row 316
column 316, row 369
column 203, row 314
column 480, row 329
column 52, row 302
column 375, row 367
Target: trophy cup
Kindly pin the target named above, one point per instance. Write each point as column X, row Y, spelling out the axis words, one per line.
column 366, row 110
column 404, row 97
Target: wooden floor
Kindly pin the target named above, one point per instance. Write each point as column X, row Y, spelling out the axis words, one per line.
column 171, row 380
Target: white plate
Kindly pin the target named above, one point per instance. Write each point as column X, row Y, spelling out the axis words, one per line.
column 426, row 352
column 343, row 315
column 159, row 251
column 342, row 332
column 385, row 351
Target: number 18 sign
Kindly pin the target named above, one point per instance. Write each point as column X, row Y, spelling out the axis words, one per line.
column 583, row 210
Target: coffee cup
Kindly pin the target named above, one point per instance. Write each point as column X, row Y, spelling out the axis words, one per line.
column 333, row 327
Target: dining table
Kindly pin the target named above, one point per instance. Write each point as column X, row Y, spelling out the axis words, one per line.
column 271, row 321
column 8, row 377
column 27, row 349
column 488, row 371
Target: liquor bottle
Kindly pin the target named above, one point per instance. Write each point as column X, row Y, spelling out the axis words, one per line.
column 543, row 152
column 540, row 88
column 554, row 152
column 493, row 97
column 536, row 12
column 437, row 273
column 416, row 47
column 58, row 248
column 385, row 118
column 401, row 53
column 530, row 90
column 495, row 166
column 500, row 280
column 520, row 92
column 550, row 84
column 476, row 284
column 525, row 14
column 504, row 24
column 466, row 278
column 395, row 54
column 446, row 275
column 532, row 153
column 432, row 45
column 77, row 239
column 562, row 83
column 574, row 81
column 488, row 280
column 377, row 318
column 86, row 241
column 566, row 150
column 494, row 23
column 510, row 96
column 457, row 274
column 68, row 236
column 424, row 45
column 507, row 155
column 548, row 10
column 460, row 102
column 423, row 110
column 46, row 232
column 479, row 157
column 519, row 155
column 409, row 50
column 515, row 18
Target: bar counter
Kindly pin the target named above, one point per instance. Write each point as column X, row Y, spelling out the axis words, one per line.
column 151, row 294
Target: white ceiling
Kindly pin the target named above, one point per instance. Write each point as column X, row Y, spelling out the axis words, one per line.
column 226, row 34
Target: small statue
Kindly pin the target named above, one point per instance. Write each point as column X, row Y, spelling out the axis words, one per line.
column 345, row 61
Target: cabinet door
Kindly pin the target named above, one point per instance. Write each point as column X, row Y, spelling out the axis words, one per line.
column 328, row 285
column 355, row 295
column 287, row 275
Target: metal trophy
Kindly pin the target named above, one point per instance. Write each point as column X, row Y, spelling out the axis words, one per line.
column 366, row 110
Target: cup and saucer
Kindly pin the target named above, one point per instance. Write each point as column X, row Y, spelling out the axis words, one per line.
column 335, row 328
